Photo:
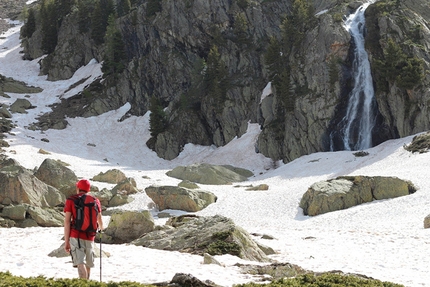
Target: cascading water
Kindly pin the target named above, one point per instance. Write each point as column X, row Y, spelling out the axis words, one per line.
column 356, row 127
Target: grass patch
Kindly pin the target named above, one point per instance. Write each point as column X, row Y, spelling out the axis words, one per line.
column 306, row 280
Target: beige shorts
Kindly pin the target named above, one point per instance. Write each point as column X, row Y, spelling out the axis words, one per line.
column 84, row 254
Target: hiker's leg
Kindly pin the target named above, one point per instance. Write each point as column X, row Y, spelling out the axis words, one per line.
column 88, row 271
column 78, row 256
column 89, row 256
column 82, row 271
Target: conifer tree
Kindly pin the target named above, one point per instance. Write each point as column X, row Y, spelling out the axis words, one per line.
column 99, row 20
column 85, row 7
column 30, row 24
column 123, row 7
column 157, row 118
column 115, row 52
column 49, row 26
column 216, row 77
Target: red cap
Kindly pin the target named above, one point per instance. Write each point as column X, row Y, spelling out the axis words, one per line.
column 83, row 184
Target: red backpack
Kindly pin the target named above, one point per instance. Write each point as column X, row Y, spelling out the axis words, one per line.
column 86, row 213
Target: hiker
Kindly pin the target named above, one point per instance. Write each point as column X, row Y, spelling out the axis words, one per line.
column 78, row 241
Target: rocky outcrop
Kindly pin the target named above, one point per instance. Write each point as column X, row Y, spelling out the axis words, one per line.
column 345, row 192
column 180, row 198
column 46, row 217
column 110, row 198
column 427, row 221
column 58, row 175
column 127, row 226
column 126, row 187
column 210, row 174
column 110, row 176
column 198, row 235
column 167, row 57
column 19, row 185
column 405, row 109
column 20, row 106
column 419, row 144
column 24, row 215
column 9, row 85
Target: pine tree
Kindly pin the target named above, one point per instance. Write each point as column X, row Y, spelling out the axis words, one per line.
column 97, row 27
column 99, row 20
column 123, row 7
column 115, row 53
column 30, row 24
column 157, row 118
column 216, row 82
column 49, row 26
column 85, row 8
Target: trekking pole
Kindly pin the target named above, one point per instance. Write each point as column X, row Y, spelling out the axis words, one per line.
column 100, row 256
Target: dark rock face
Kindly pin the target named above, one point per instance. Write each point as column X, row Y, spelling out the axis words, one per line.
column 169, row 55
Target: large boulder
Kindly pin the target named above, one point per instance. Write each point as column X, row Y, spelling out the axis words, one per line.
column 214, row 235
column 46, row 217
column 56, row 174
column 19, row 185
column 419, row 144
column 119, row 199
column 127, row 226
column 345, row 192
column 175, row 197
column 111, row 176
column 20, row 106
column 210, row 174
column 126, row 187
column 14, row 212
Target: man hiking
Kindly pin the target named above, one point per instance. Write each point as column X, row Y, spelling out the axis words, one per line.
column 83, row 217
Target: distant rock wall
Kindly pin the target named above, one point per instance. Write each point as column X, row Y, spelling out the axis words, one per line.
column 168, row 55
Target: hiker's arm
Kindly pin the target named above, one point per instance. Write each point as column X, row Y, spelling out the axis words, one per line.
column 67, row 220
column 100, row 221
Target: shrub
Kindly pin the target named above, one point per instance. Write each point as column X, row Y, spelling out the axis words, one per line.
column 223, row 244
column 7, row 279
column 324, row 280
column 307, row 280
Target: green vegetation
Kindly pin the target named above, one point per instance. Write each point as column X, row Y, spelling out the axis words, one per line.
column 115, row 55
column 8, row 280
column 307, row 280
column 240, row 29
column 396, row 66
column 392, row 62
column 49, row 26
column 84, row 14
column 100, row 19
column 223, row 244
column 123, row 7
column 192, row 99
column 278, row 53
column 324, row 280
column 243, row 3
column 158, row 118
column 216, row 79
column 30, row 24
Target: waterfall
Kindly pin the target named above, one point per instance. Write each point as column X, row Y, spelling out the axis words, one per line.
column 359, row 120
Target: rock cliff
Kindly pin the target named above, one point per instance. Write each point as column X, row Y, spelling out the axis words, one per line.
column 206, row 64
